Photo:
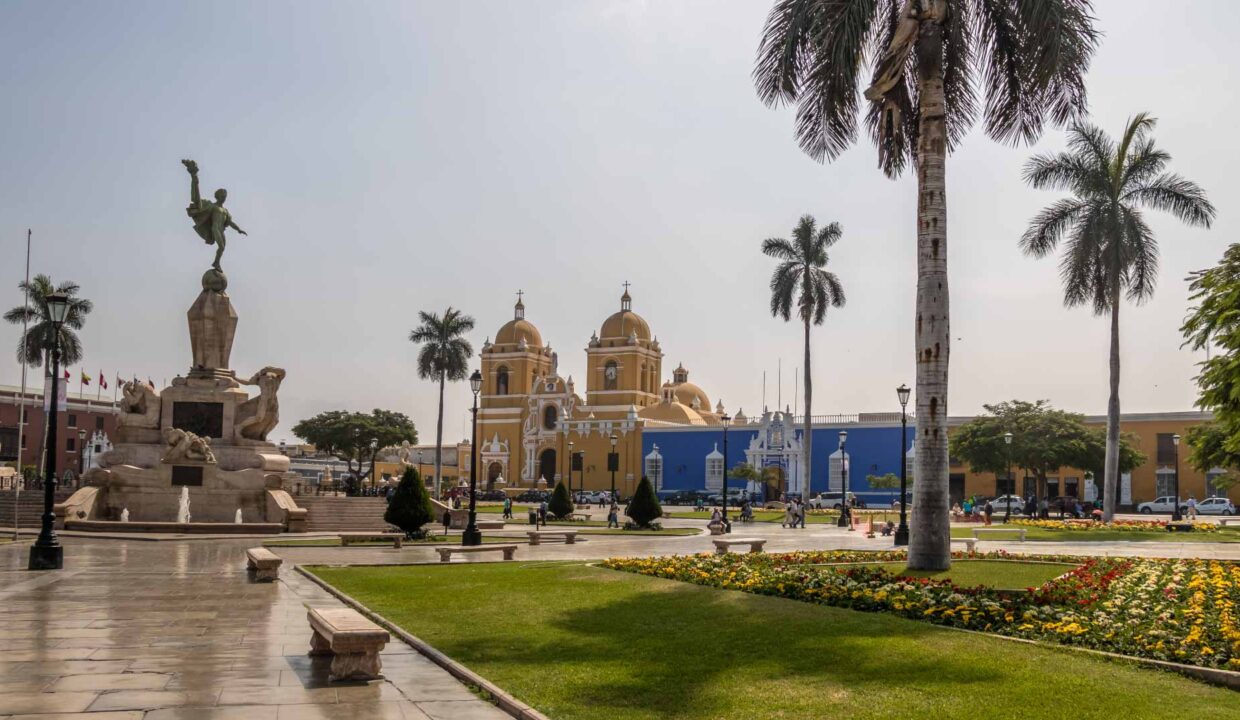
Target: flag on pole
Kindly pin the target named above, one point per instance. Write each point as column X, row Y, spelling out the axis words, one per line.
column 103, row 380
column 67, row 375
column 85, row 377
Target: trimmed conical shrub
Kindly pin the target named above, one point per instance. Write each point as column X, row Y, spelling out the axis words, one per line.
column 561, row 504
column 644, row 508
column 410, row 507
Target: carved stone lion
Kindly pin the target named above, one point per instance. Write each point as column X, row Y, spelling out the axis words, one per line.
column 186, row 446
column 139, row 406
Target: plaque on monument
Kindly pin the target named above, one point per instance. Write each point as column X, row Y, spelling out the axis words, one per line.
column 205, row 419
column 187, row 475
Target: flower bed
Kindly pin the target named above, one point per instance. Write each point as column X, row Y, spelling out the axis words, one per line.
column 1177, row 610
column 1115, row 525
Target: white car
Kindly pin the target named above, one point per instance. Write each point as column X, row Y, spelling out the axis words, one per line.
column 1216, row 506
column 1001, row 503
column 592, row 497
column 1160, row 505
column 835, row 500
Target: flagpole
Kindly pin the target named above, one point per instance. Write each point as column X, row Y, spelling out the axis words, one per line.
column 21, row 415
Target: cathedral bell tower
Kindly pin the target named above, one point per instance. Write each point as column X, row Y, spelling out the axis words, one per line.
column 624, row 363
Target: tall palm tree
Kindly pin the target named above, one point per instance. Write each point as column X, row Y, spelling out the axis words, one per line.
column 34, row 348
column 444, row 356
column 801, row 278
column 936, row 65
column 1109, row 249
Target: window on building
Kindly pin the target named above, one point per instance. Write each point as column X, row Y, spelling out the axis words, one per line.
column 551, row 415
column 71, row 444
column 1166, row 449
column 1164, row 481
column 99, row 423
column 501, row 381
column 714, row 471
column 654, row 469
column 72, row 420
column 1211, row 488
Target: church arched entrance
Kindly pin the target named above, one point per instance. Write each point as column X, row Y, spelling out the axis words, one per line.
column 773, row 480
column 492, row 474
column 547, row 465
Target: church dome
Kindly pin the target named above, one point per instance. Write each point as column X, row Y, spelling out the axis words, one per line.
column 689, row 393
column 519, row 329
column 625, row 323
column 672, row 412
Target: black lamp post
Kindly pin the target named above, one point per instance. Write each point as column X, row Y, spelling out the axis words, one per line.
column 473, row 536
column 581, row 472
column 81, row 454
column 726, row 420
column 1175, row 509
column 1007, row 507
column 613, row 461
column 47, row 553
column 569, row 475
column 845, row 511
column 901, row 537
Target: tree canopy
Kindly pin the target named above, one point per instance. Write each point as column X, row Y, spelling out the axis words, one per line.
column 35, row 347
column 1043, row 441
column 356, row 437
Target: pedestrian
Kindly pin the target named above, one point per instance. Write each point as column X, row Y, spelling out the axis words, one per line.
column 1192, row 507
column 447, row 521
column 613, row 515
column 801, row 514
column 542, row 513
column 1044, row 509
column 988, row 511
column 789, row 515
column 507, row 508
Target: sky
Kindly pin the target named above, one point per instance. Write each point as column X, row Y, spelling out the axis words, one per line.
column 392, row 157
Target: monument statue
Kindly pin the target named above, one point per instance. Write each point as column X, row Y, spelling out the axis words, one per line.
column 139, row 406
column 403, row 453
column 259, row 415
column 183, row 445
column 210, row 218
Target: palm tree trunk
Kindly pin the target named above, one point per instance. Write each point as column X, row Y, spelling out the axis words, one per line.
column 930, row 534
column 439, row 437
column 1110, row 472
column 808, row 436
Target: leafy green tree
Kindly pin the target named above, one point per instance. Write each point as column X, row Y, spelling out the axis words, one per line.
column 35, row 347
column 1043, row 441
column 888, row 481
column 644, row 508
column 356, row 437
column 1109, row 250
column 744, row 471
column 410, row 507
column 802, row 278
column 1214, row 322
column 444, row 356
column 561, row 503
column 937, row 65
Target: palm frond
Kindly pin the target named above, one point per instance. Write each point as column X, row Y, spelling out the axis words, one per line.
column 1044, row 232
column 1180, row 197
column 1141, row 255
column 778, row 248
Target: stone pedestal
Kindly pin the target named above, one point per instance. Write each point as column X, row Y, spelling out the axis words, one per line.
column 212, row 325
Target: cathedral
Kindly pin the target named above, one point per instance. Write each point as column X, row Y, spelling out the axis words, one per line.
column 535, row 429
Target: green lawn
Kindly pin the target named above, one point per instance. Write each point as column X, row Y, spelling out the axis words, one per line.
column 1002, row 574
column 1036, row 534
column 584, row 642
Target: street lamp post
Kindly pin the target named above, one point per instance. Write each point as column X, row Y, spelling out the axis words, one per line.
column 81, row 454
column 726, row 420
column 901, row 537
column 581, row 472
column 845, row 511
column 473, row 536
column 613, row 461
column 47, row 553
column 569, row 475
column 1175, row 508
column 1007, row 507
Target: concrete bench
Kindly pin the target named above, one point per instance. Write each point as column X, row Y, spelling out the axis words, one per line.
column 579, row 517
column 570, row 536
column 977, row 532
column 263, row 563
column 353, row 538
column 352, row 640
column 722, row 545
column 446, row 553
column 1225, row 521
column 490, row 524
column 969, row 543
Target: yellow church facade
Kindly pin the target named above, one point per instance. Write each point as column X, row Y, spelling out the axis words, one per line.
column 534, row 428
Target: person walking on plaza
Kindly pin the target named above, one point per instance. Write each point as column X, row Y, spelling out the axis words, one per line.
column 613, row 515
column 1192, row 508
column 988, row 511
column 507, row 508
column 801, row 514
column 789, row 516
column 542, row 513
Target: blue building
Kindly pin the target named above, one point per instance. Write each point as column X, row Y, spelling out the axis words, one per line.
column 691, row 457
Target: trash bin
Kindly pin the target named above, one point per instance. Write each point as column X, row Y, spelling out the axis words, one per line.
column 533, row 517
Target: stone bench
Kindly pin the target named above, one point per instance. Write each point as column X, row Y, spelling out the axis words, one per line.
column 970, row 543
column 977, row 532
column 722, row 545
column 446, row 553
column 263, row 563
column 1225, row 521
column 490, row 524
column 352, row 640
column 579, row 517
column 352, row 538
column 570, row 536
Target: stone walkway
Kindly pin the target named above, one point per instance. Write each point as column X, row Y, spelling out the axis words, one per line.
column 138, row 630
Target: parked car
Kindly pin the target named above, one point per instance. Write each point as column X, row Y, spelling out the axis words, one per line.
column 533, row 496
column 1160, row 505
column 592, row 497
column 682, row 497
column 492, row 495
column 1003, row 502
column 1216, row 506
column 834, row 500
column 736, row 496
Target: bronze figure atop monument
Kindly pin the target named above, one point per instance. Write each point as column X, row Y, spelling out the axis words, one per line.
column 211, row 219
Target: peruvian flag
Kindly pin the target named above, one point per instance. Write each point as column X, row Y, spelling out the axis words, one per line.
column 68, row 376
column 103, row 380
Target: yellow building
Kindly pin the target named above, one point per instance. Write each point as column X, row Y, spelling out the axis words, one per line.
column 532, row 421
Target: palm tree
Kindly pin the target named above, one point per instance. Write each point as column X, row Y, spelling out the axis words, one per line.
column 34, row 348
column 1109, row 249
column 937, row 65
column 444, row 356
column 801, row 278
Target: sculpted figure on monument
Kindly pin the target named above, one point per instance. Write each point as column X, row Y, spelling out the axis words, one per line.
column 139, row 406
column 259, row 415
column 403, row 453
column 184, row 445
column 210, row 218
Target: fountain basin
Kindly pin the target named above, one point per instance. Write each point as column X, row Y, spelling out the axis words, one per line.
column 190, row 528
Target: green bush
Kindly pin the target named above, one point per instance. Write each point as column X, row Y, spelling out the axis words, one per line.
column 410, row 507
column 644, row 507
column 561, row 504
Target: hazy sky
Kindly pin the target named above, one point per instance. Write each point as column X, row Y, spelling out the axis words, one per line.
column 390, row 157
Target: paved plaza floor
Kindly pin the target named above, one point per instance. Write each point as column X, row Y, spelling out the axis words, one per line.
column 140, row 630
